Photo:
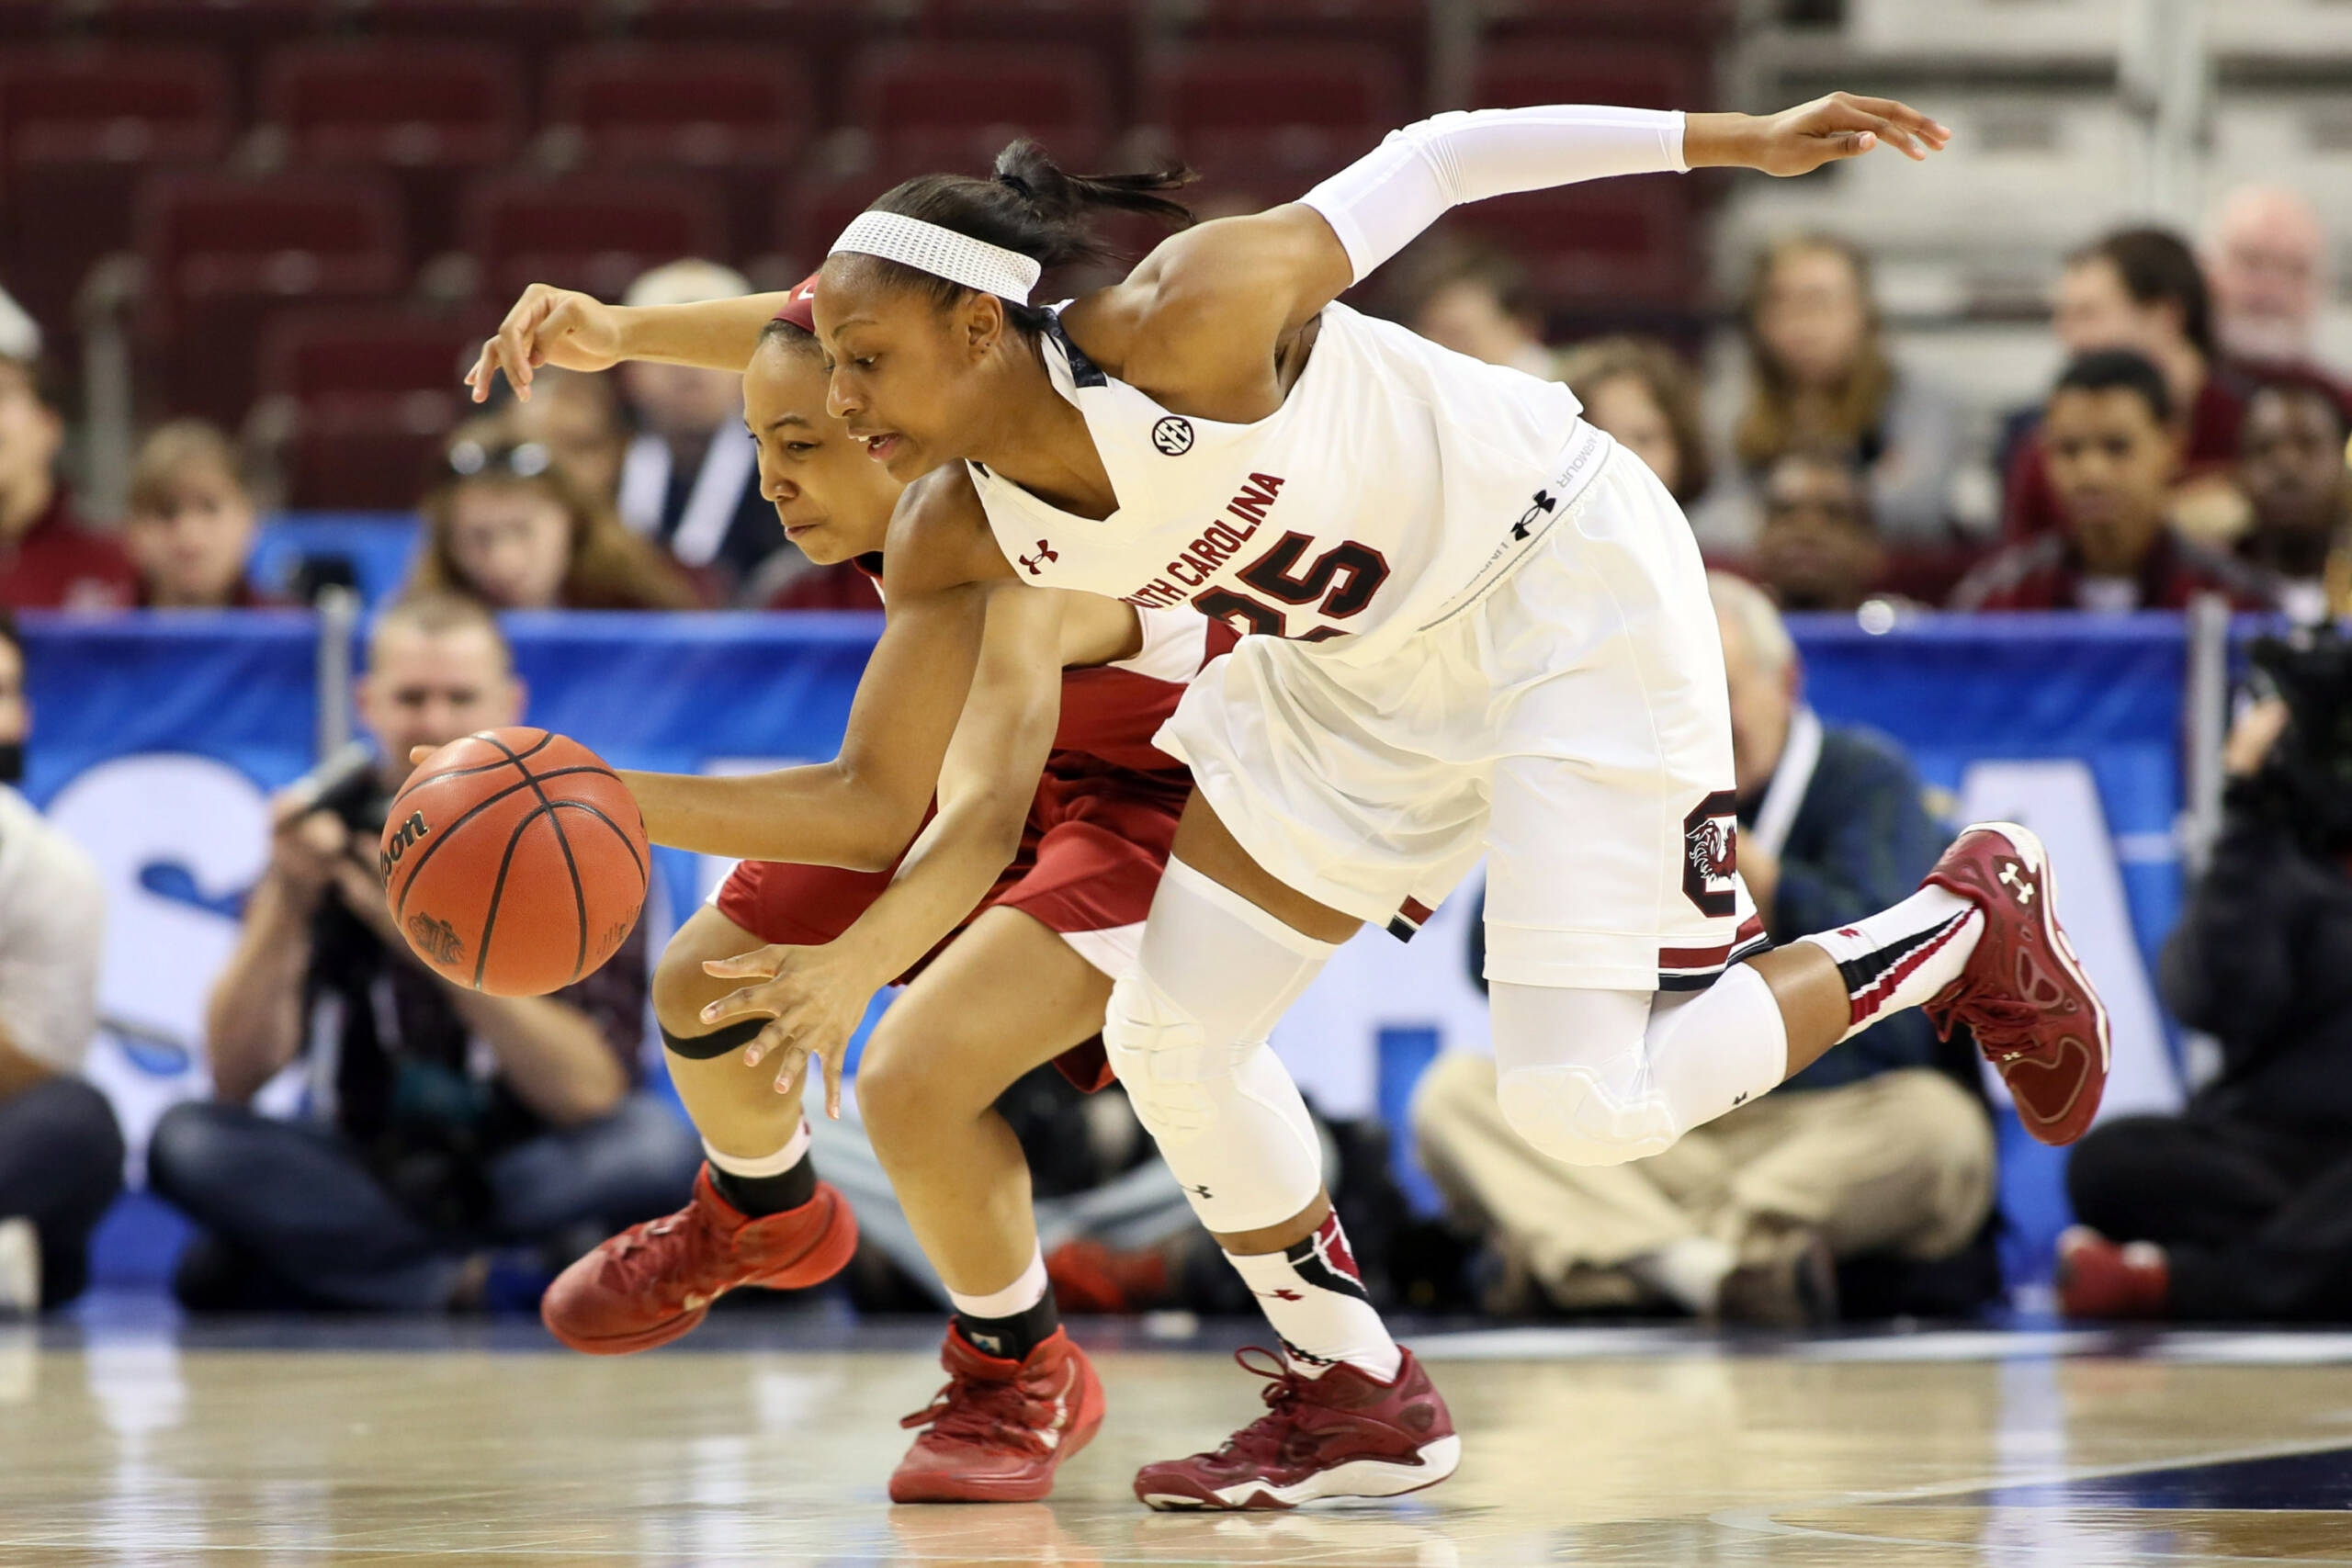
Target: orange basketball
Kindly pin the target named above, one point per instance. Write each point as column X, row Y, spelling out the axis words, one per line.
column 515, row 861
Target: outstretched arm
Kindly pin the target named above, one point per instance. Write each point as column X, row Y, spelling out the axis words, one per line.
column 816, row 996
column 577, row 331
column 1204, row 311
column 861, row 809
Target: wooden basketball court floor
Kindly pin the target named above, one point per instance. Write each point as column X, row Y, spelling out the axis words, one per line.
column 767, row 1441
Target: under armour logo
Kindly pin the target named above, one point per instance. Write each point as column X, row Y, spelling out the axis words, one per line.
column 1739, row 1100
column 1543, row 503
column 2015, row 879
column 1046, row 552
column 1284, row 1294
column 1201, row 1193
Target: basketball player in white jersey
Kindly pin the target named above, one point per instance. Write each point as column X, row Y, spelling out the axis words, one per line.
column 1486, row 629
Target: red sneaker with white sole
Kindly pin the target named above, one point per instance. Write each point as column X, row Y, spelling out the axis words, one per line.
column 2035, row 1014
column 1001, row 1428
column 2097, row 1278
column 655, row 1281
column 1345, row 1434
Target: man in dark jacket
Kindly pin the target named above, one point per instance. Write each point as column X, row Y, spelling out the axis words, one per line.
column 2240, row 1208
column 1875, row 1151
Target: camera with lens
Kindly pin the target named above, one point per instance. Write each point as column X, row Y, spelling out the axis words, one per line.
column 2304, row 786
column 348, row 785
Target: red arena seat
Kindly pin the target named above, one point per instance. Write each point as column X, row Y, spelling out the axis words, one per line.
column 222, row 253
column 430, row 112
column 1614, row 241
column 360, row 398
column 80, row 127
column 1643, row 75
column 705, row 107
column 588, row 231
column 955, row 106
column 1299, row 109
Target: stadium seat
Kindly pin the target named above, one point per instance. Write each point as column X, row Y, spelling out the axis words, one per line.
column 239, row 24
column 360, row 398
column 1625, row 242
column 429, row 111
column 954, row 105
column 80, row 126
column 224, row 252
column 29, row 21
column 1696, row 24
column 1295, row 109
column 589, row 231
column 740, row 114
column 1400, row 28
column 529, row 24
column 820, row 34
column 1643, row 75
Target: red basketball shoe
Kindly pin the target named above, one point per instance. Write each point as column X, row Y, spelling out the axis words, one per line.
column 1345, row 1434
column 2097, row 1278
column 2023, row 994
column 1001, row 1428
column 655, row 1281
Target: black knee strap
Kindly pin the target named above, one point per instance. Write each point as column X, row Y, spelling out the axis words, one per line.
column 718, row 1042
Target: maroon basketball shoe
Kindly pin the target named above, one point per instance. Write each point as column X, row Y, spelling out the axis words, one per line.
column 2097, row 1278
column 1001, row 1428
column 1345, row 1434
column 2024, row 995
column 655, row 1281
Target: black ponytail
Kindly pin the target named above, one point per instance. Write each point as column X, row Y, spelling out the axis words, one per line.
column 1032, row 206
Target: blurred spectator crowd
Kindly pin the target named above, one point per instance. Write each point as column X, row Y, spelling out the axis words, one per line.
column 328, row 202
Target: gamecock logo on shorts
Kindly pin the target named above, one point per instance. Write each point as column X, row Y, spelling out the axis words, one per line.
column 1711, row 855
column 435, row 941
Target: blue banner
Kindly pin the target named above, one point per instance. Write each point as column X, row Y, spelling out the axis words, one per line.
column 157, row 740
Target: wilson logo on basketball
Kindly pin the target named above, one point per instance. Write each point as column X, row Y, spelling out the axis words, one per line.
column 397, row 844
column 435, row 941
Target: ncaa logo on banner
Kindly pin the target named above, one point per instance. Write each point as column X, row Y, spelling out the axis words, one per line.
column 1172, row 436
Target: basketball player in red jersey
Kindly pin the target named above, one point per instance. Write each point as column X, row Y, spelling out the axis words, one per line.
column 1006, row 965
column 1485, row 630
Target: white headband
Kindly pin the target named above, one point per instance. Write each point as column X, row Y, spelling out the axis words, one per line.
column 943, row 252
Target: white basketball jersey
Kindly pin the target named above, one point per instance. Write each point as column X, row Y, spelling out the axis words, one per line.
column 1398, row 481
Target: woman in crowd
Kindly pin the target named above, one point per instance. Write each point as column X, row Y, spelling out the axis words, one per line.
column 191, row 521
column 1642, row 392
column 1820, row 377
column 511, row 526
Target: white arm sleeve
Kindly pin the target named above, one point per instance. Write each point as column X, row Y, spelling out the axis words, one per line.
column 1377, row 204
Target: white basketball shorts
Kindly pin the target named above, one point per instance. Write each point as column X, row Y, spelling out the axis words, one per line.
column 1572, row 725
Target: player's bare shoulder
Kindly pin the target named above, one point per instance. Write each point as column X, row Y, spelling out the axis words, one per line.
column 939, row 537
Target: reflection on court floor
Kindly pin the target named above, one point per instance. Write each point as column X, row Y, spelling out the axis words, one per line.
column 127, row 1440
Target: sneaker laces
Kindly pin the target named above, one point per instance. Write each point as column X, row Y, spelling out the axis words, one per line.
column 986, row 1412
column 1261, row 1441
column 641, row 1263
column 2004, row 1026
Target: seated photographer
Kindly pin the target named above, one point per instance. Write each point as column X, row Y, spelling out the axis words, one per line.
column 444, row 1124
column 2240, row 1208
column 61, row 1151
column 1877, row 1151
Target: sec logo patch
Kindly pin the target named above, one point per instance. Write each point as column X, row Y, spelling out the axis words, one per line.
column 1172, row 436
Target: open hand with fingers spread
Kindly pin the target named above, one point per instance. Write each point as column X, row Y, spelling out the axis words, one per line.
column 815, row 998
column 547, row 326
column 1799, row 141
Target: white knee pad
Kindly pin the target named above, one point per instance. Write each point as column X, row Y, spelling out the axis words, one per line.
column 1602, row 1077
column 1227, row 1117
column 1570, row 1113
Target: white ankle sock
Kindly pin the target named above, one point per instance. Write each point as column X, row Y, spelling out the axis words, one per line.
column 1312, row 1294
column 795, row 1150
column 1900, row 957
column 1018, row 1297
column 1689, row 1272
